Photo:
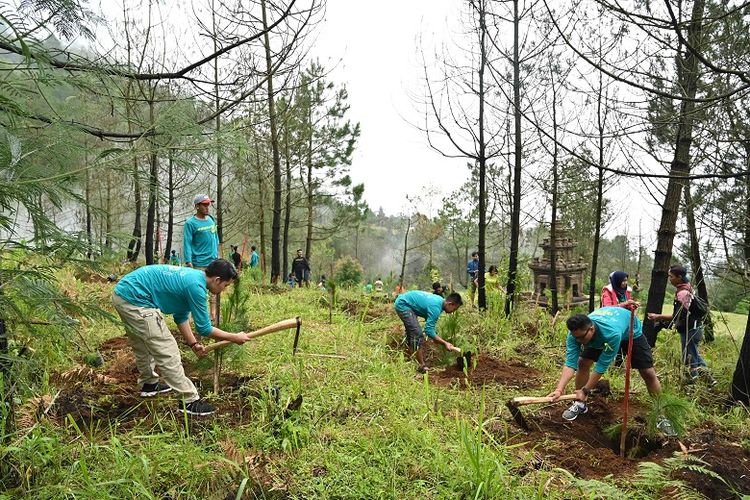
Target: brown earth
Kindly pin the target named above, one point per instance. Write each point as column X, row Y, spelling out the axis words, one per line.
column 584, row 449
column 488, row 370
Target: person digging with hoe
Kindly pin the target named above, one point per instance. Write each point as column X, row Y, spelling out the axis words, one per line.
column 429, row 306
column 598, row 337
column 142, row 297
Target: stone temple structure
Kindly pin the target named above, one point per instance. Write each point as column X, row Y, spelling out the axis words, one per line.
column 569, row 270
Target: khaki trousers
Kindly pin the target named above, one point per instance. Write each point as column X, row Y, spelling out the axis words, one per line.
column 153, row 344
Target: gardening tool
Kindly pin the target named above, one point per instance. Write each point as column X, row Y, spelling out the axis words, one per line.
column 601, row 388
column 296, row 336
column 464, row 360
column 626, row 400
column 281, row 325
column 514, row 403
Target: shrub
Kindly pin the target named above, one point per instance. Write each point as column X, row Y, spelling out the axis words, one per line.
column 347, row 272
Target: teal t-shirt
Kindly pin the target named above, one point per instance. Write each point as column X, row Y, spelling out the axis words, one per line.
column 200, row 241
column 612, row 326
column 179, row 291
column 423, row 304
column 254, row 259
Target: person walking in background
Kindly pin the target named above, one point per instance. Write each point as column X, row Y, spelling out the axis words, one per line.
column 236, row 257
column 300, row 268
column 200, row 241
column 438, row 289
column 254, row 258
column 142, row 297
column 378, row 285
column 472, row 269
column 417, row 303
column 617, row 292
column 688, row 325
column 174, row 259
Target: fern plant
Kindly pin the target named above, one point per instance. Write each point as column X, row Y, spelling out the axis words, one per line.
column 677, row 410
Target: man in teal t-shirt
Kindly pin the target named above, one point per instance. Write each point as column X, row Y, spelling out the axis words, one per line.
column 416, row 303
column 597, row 338
column 142, row 297
column 200, row 239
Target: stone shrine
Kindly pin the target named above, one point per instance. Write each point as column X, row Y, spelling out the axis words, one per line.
column 569, row 270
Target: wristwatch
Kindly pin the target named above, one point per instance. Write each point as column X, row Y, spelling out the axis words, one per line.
column 586, row 391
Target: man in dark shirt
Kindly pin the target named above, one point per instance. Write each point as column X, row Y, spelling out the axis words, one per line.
column 300, row 268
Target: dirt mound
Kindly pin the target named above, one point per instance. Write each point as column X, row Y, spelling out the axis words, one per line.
column 583, row 448
column 371, row 310
column 512, row 373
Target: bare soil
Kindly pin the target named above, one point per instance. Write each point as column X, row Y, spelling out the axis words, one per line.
column 488, row 370
column 584, row 449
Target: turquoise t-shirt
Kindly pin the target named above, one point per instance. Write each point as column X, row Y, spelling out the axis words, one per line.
column 612, row 326
column 179, row 291
column 200, row 241
column 423, row 304
column 254, row 259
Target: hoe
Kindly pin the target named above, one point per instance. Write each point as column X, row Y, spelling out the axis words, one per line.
column 602, row 389
column 281, row 325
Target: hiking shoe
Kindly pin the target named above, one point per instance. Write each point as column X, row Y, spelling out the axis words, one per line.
column 150, row 390
column 665, row 426
column 707, row 376
column 422, row 369
column 576, row 409
column 198, row 408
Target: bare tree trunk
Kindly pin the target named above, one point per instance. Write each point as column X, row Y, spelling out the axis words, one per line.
column 688, row 76
column 406, row 250
column 515, row 222
column 261, row 208
column 287, row 202
column 276, row 225
column 699, row 281
column 599, row 191
column 87, row 199
column 170, row 206
column 152, row 186
column 553, row 223
column 482, row 300
column 134, row 246
column 217, row 128
column 108, row 214
column 310, row 192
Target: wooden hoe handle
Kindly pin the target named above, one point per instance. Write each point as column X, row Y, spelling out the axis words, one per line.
column 526, row 400
column 281, row 325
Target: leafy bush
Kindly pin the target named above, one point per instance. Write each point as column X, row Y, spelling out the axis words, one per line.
column 348, row 272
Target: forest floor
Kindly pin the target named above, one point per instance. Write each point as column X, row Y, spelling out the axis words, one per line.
column 349, row 417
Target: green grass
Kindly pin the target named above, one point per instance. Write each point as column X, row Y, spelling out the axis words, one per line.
column 369, row 427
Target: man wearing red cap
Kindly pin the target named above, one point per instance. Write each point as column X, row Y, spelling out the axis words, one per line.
column 200, row 239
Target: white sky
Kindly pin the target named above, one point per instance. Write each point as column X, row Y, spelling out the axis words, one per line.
column 373, row 46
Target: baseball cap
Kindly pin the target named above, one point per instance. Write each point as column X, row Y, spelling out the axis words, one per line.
column 202, row 199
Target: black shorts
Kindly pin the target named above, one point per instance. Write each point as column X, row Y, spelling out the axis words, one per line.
column 641, row 359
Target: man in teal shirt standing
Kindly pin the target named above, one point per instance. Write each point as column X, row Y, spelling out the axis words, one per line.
column 200, row 240
column 597, row 338
column 417, row 303
column 142, row 297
